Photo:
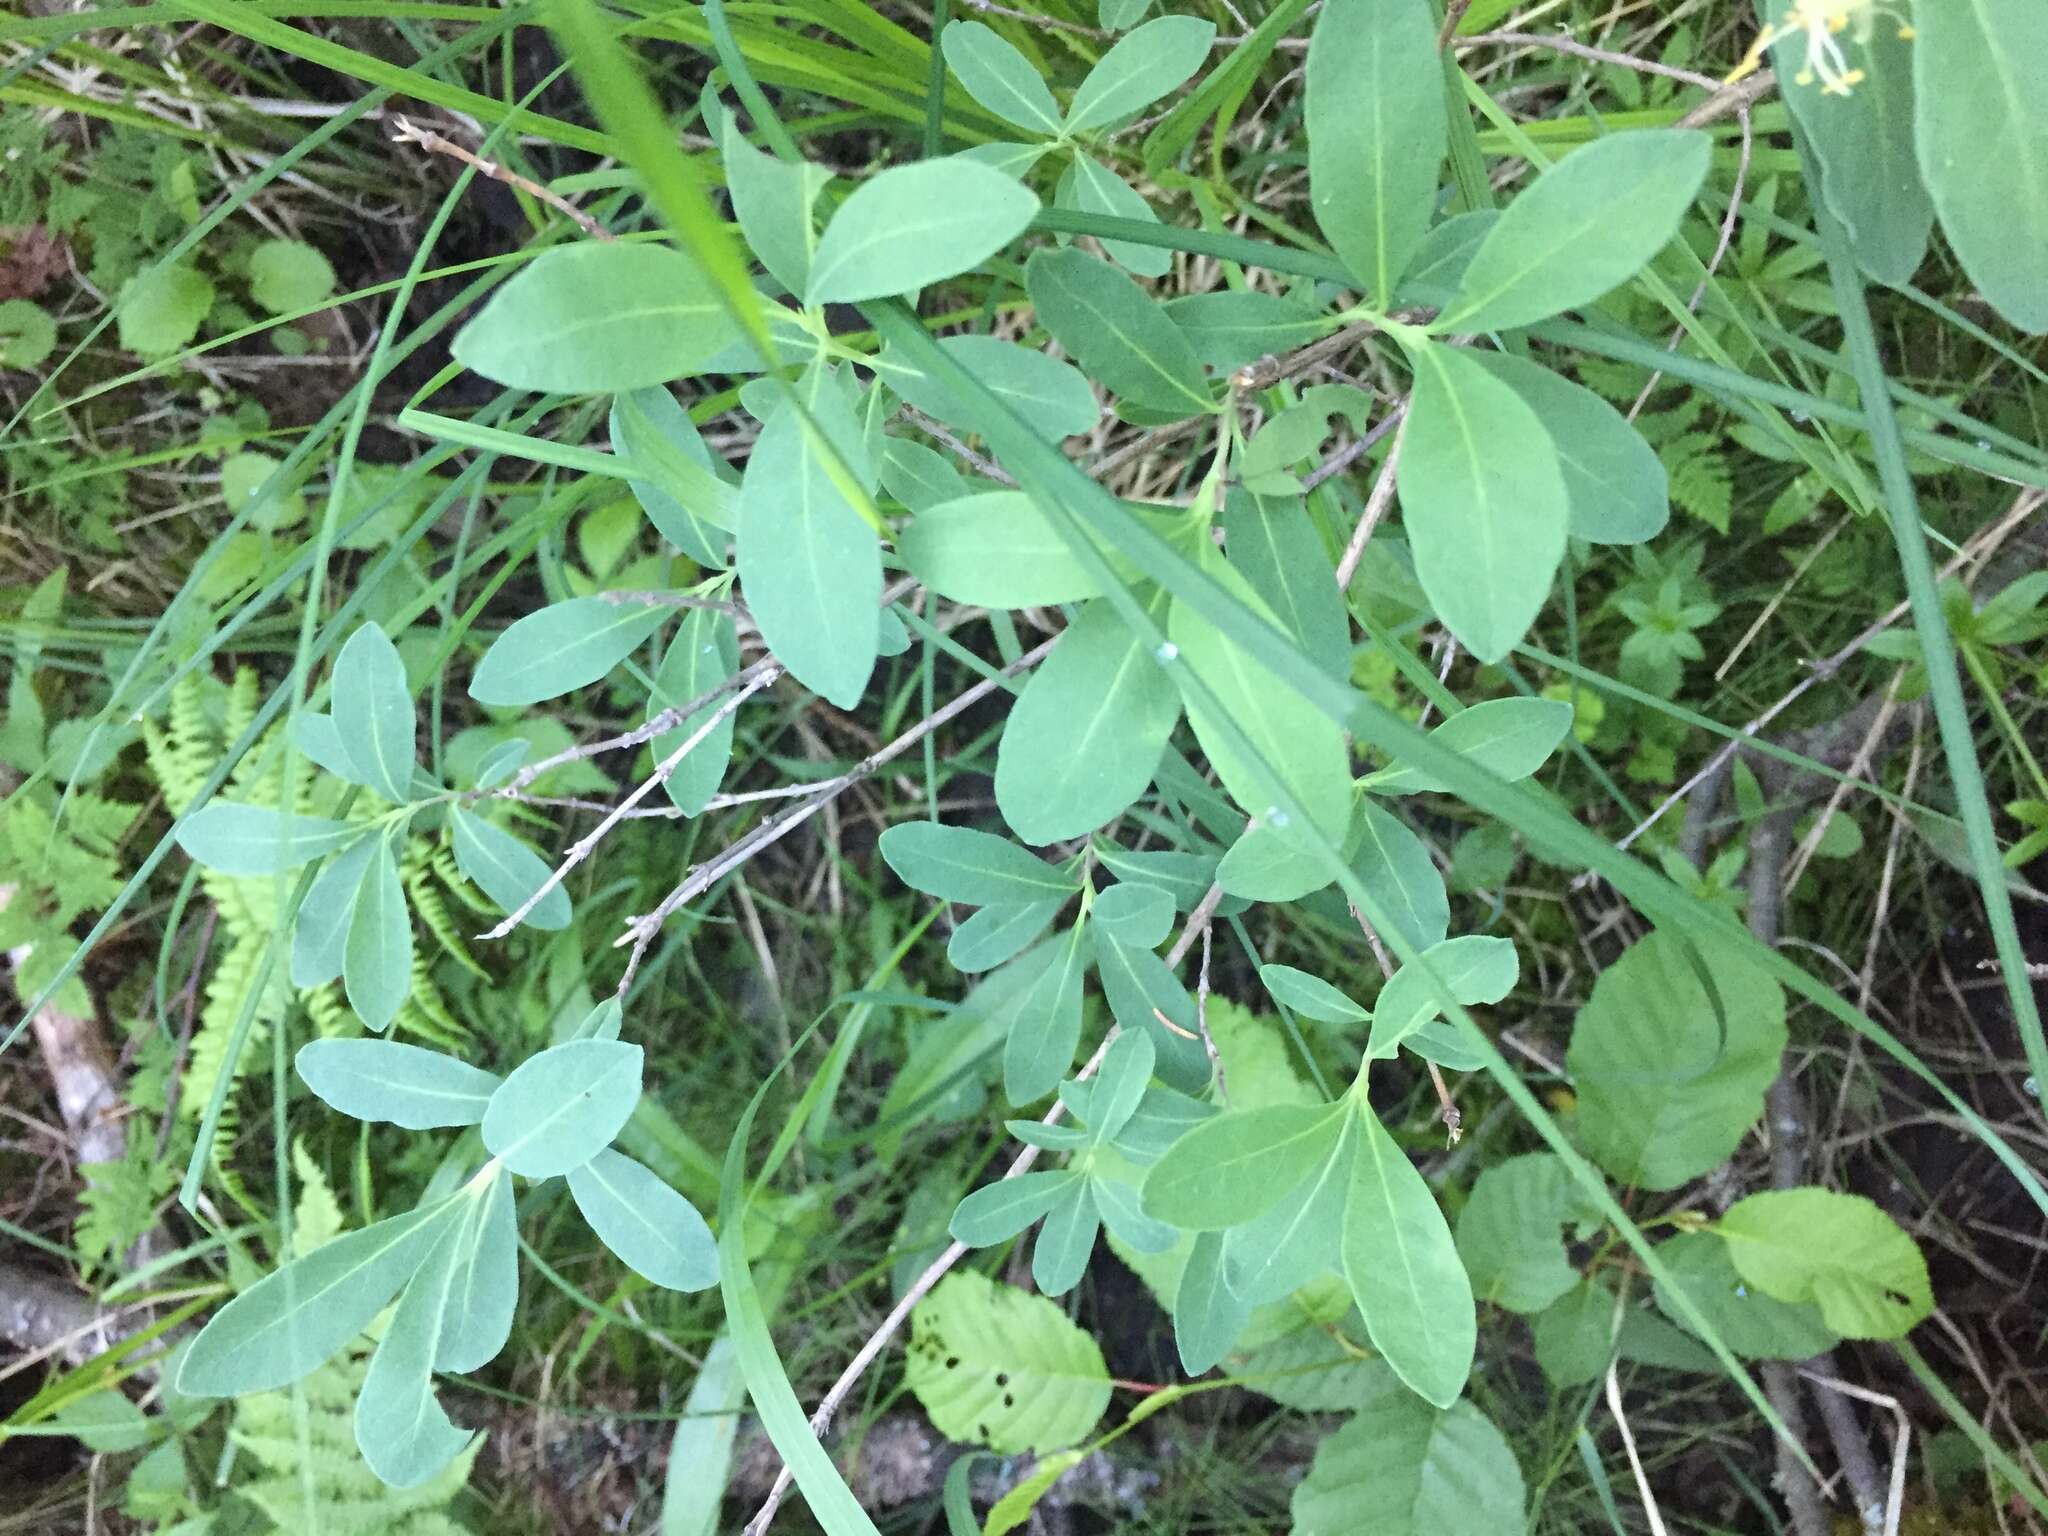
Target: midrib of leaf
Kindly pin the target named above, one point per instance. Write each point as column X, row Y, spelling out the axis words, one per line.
column 1143, row 354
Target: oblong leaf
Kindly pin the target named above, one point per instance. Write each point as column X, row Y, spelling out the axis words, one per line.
column 1092, row 187
column 1232, row 1168
column 595, row 318
column 1117, row 332
column 676, row 486
column 994, row 549
column 994, row 934
column 320, row 934
column 704, row 653
column 1404, row 1271
column 563, row 646
column 1297, row 1239
column 810, row 565
column 1208, row 1317
column 1588, row 224
column 1376, row 132
column 1311, row 996
column 260, row 839
column 1509, row 738
column 295, row 1317
column 505, row 869
column 387, row 1080
column 1395, row 867
column 376, row 969
column 1981, row 122
column 1051, row 395
column 1483, row 498
column 1616, row 488
column 1047, row 1027
column 1085, row 737
column 560, row 1108
column 1144, row 65
column 1134, row 913
column 1066, row 1239
column 1232, row 327
column 401, row 1428
column 483, row 1295
column 915, row 224
column 962, row 864
column 655, row 1232
column 373, row 713
column 999, row 77
column 1472, row 967
column 997, row 1212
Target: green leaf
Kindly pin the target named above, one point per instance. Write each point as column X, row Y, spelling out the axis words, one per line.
column 687, row 503
column 1157, row 58
column 1238, row 1165
column 1577, row 1336
column 1277, row 550
column 1012, row 159
column 1116, row 15
column 961, row 864
column 1282, row 1249
column 1841, row 1252
column 997, row 1212
column 1043, row 1037
column 561, row 647
column 994, row 934
column 1982, row 123
column 1615, row 486
column 27, row 335
column 259, row 839
column 1052, row 396
column 1140, row 987
column 1750, row 1321
column 320, row 935
column 655, row 1232
column 1670, row 1078
column 373, row 714
column 598, row 318
column 1310, row 996
column 1092, row 187
column 1473, row 968
column 918, row 477
column 1231, row 327
column 563, row 1106
column 1377, row 133
column 1295, row 738
column 1085, row 737
column 161, row 310
column 401, row 1429
column 1403, row 1269
column 704, row 653
column 999, row 1367
column 1208, row 1317
column 1863, row 139
column 995, row 549
column 292, row 1319
column 403, row 1085
column 1484, row 499
column 1398, row 1467
column 700, row 1455
column 1066, row 1239
column 483, row 1294
column 999, row 77
column 505, row 869
column 1396, row 869
column 1587, row 225
column 1439, row 262
column 1116, row 1201
column 1117, row 332
column 1120, row 1085
column 1134, row 914
column 288, row 275
column 376, row 963
column 1268, row 865
column 319, row 738
column 1186, row 877
column 106, row 1422
column 916, row 224
column 1015, row 1506
column 1511, row 1231
column 773, row 199
column 809, row 563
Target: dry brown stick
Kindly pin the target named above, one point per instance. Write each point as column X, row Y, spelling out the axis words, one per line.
column 404, row 131
column 1376, row 503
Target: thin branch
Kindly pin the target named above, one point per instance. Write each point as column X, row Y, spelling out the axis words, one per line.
column 583, row 847
column 1376, row 504
column 404, row 131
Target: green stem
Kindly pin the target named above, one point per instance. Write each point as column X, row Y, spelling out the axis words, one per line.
column 1937, row 646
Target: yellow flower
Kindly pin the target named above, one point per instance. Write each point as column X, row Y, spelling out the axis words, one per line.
column 1821, row 23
